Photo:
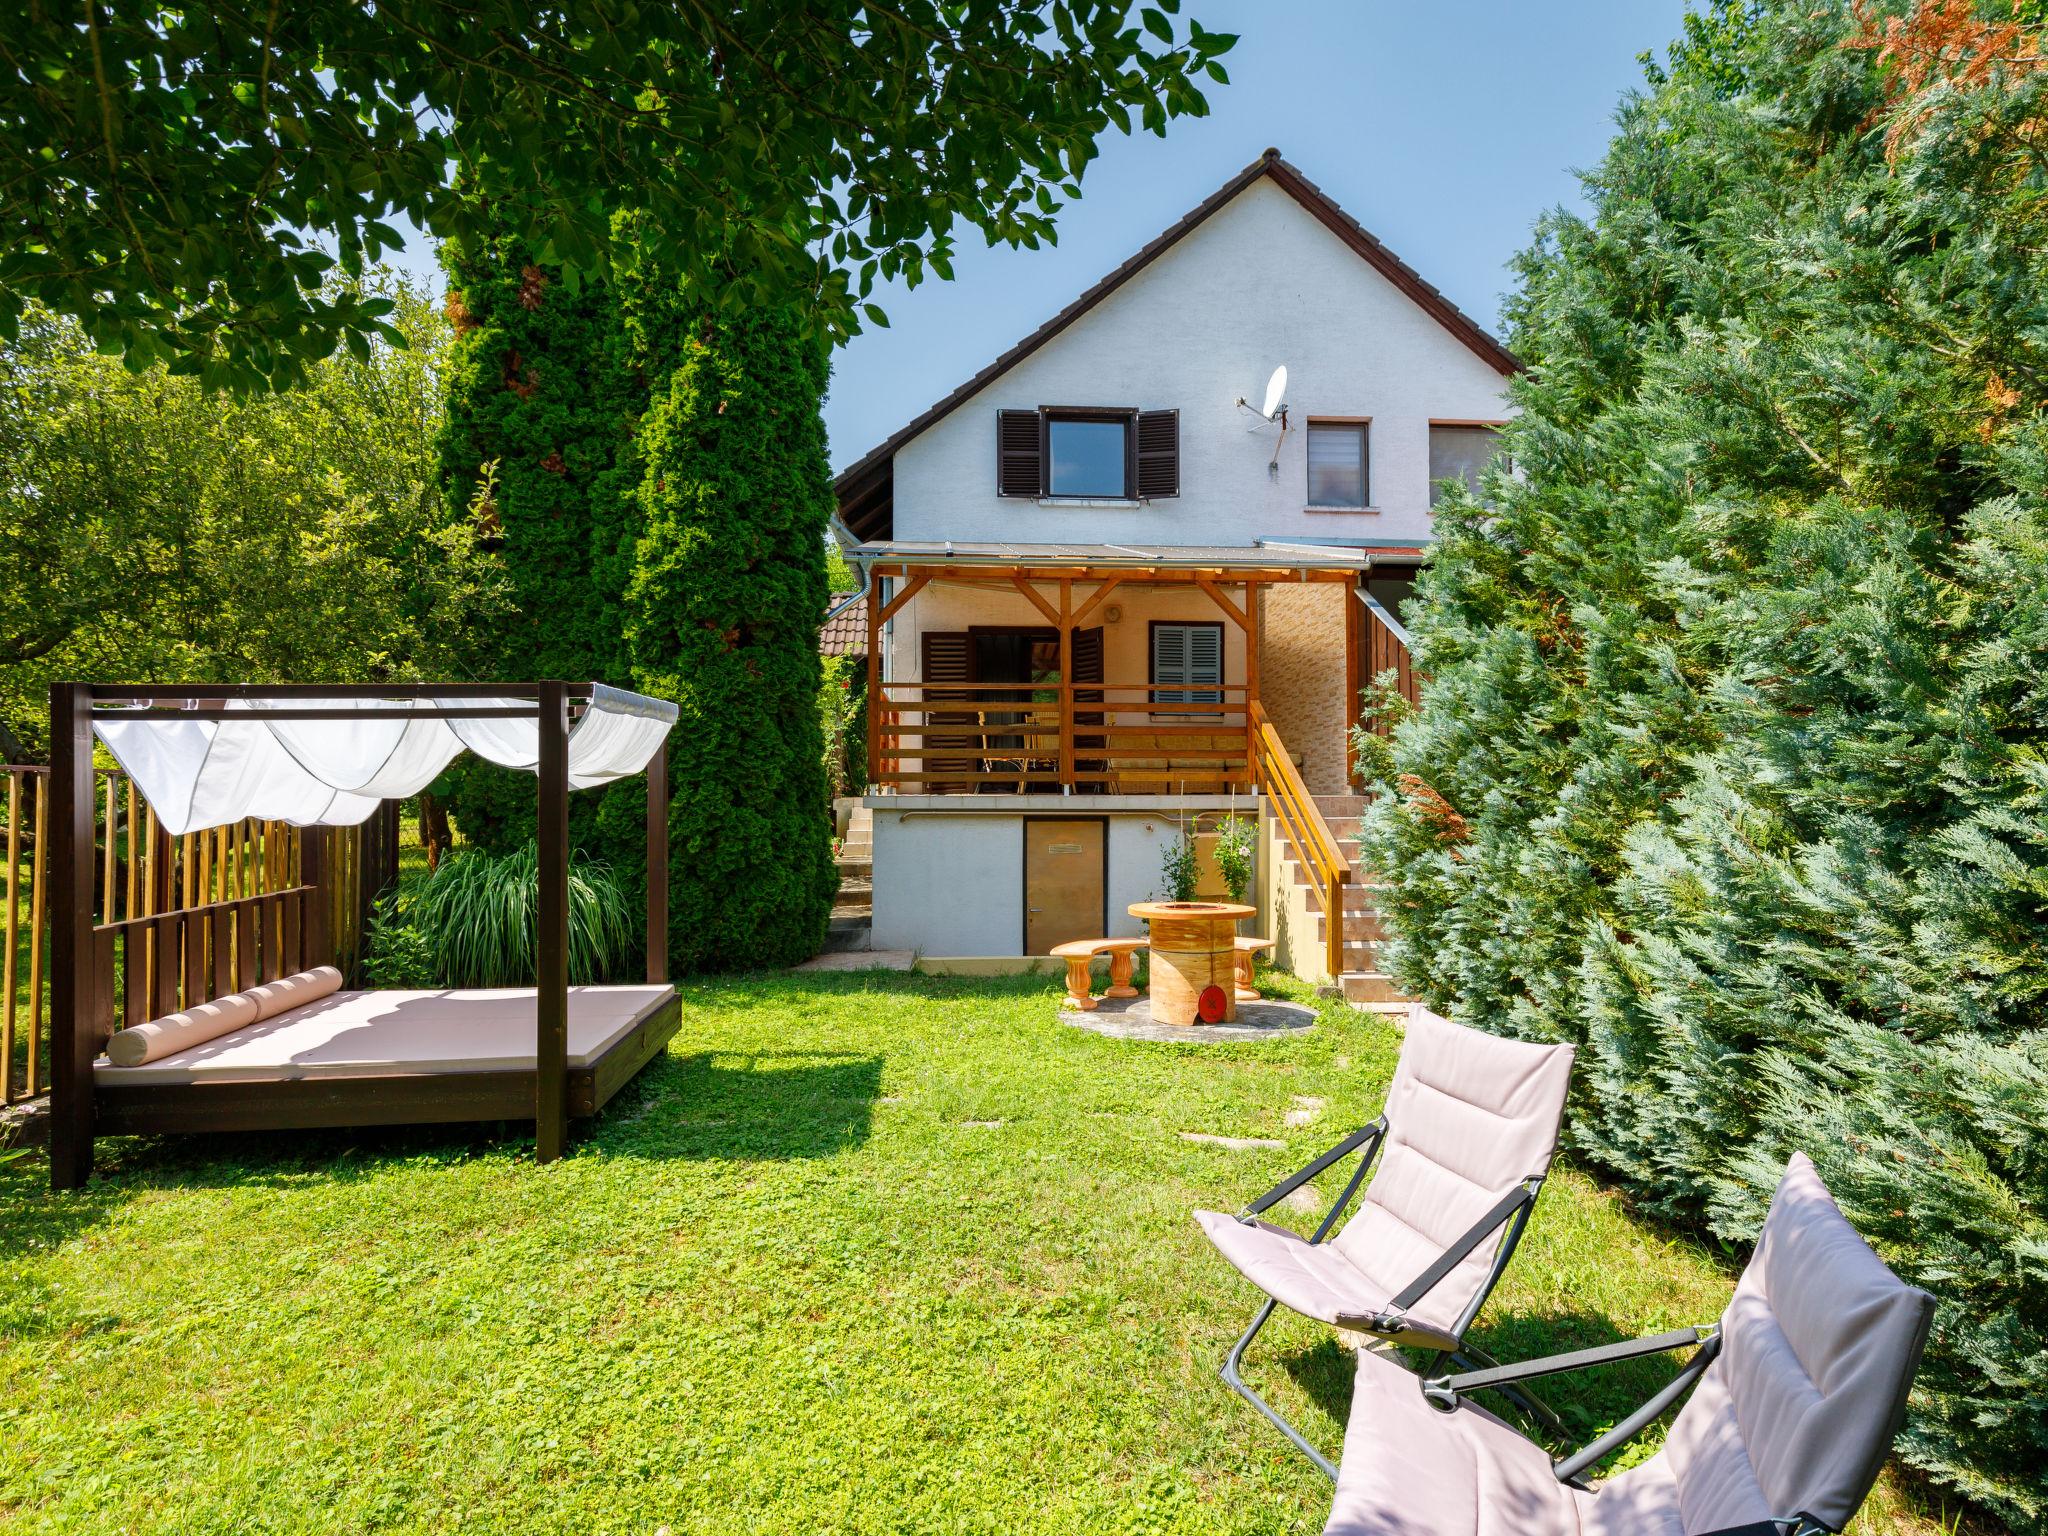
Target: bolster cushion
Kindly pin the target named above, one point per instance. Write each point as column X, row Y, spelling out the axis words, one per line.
column 141, row 1043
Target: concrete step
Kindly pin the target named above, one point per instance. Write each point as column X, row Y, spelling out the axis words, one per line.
column 855, row 869
column 1357, row 929
column 844, row 934
column 1373, row 992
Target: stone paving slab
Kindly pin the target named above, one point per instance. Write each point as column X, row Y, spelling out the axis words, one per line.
column 1131, row 1019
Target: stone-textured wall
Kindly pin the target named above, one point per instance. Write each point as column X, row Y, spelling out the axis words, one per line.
column 1301, row 676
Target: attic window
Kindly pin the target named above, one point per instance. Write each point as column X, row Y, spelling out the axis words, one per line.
column 1088, row 455
column 1094, row 453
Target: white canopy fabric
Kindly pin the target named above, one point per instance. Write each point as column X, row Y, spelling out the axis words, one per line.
column 211, row 771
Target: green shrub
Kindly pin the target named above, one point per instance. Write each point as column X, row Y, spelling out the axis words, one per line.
column 472, row 923
column 727, row 595
column 1237, row 854
column 1179, row 865
column 1730, row 760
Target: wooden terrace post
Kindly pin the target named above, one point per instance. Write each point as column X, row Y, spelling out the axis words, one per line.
column 1251, row 682
column 1354, row 664
column 1066, row 703
column 72, row 980
column 874, row 613
column 657, row 864
column 551, row 1054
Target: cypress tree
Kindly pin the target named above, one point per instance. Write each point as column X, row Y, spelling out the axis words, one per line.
column 1730, row 764
column 544, row 392
column 722, row 615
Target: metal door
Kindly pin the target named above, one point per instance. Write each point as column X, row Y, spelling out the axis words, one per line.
column 1066, row 881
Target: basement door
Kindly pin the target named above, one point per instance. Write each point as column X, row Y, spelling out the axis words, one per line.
column 1066, row 880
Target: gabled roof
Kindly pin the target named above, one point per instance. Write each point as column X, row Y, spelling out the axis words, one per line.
column 867, row 488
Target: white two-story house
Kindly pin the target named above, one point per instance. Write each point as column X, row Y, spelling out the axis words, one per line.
column 1108, row 587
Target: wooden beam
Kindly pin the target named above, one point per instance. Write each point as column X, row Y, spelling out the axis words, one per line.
column 1237, row 615
column 1066, row 698
column 72, row 1042
column 551, row 960
column 874, row 701
column 1354, row 681
column 657, row 865
column 1088, row 608
column 1052, row 615
column 1251, row 689
column 911, row 588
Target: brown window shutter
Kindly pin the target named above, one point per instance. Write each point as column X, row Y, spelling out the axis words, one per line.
column 1158, row 437
column 946, row 657
column 1020, row 454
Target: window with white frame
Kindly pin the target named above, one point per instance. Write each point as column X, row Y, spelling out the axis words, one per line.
column 1339, row 464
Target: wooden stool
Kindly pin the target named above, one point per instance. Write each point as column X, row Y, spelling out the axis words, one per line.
column 1079, row 952
column 1248, row 956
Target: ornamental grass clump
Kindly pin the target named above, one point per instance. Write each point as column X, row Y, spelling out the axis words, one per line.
column 473, row 921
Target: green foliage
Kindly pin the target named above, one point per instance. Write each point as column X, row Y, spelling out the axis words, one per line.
column 842, row 717
column 1237, row 854
column 1180, row 867
column 1730, row 765
column 723, row 612
column 167, row 174
column 471, row 923
column 150, row 531
column 545, row 388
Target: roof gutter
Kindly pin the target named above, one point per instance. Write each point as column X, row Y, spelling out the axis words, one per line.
column 849, row 546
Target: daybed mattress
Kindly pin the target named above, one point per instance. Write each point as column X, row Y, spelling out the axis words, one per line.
column 383, row 1034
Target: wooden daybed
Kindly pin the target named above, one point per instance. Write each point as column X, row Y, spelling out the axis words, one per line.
column 350, row 1058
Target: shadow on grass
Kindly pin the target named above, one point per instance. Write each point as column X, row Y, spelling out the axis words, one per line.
column 756, row 1107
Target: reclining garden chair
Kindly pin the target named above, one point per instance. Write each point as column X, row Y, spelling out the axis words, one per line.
column 1796, row 1394
column 1462, row 1148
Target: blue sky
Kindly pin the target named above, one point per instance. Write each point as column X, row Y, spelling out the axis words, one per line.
column 1444, row 126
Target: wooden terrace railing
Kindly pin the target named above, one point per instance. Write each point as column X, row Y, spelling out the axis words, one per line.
column 175, row 918
column 1387, row 650
column 1315, row 846
column 958, row 737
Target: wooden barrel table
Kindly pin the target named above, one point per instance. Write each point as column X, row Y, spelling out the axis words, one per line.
column 1194, row 950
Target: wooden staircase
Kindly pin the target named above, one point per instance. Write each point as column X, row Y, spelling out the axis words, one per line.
column 853, row 909
column 1307, row 925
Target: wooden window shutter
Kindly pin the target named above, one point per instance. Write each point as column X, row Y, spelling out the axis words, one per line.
column 946, row 656
column 1184, row 657
column 1020, row 454
column 1158, row 470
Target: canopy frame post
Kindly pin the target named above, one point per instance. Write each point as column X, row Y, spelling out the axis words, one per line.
column 72, row 978
column 657, row 865
column 551, row 1051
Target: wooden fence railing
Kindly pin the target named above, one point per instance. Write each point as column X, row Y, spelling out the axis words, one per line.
column 174, row 916
column 1314, row 844
column 950, row 738
column 1387, row 650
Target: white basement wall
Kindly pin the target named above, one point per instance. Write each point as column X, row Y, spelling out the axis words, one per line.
column 1259, row 283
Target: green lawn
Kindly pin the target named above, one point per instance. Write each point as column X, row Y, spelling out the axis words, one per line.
column 787, row 1283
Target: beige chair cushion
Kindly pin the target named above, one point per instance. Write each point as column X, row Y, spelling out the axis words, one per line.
column 140, row 1044
column 1470, row 1115
column 1795, row 1416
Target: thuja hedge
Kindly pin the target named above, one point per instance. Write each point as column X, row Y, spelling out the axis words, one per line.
column 1732, row 763
column 658, row 479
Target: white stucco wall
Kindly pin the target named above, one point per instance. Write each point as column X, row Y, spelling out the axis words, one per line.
column 1259, row 283
column 949, row 871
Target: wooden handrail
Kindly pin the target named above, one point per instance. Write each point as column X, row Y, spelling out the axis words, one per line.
column 1314, row 844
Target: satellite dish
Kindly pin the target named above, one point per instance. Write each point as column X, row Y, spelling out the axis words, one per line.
column 1276, row 393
